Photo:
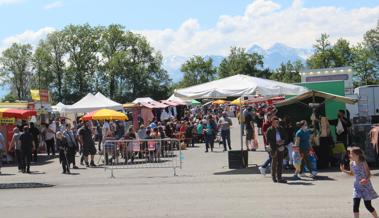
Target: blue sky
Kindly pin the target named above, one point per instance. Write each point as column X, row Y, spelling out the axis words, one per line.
column 142, row 14
column 195, row 27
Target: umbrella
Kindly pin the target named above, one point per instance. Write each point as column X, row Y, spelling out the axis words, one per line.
column 105, row 114
column 195, row 102
column 236, row 102
column 220, row 101
column 16, row 113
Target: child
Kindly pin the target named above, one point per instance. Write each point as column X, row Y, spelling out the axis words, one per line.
column 362, row 186
column 296, row 158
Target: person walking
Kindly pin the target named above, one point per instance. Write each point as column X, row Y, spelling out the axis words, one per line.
column 86, row 140
column 16, row 144
column 63, row 152
column 363, row 188
column 224, row 123
column 210, row 133
column 303, row 141
column 276, row 138
column 27, row 145
column 35, row 133
column 249, row 124
column 49, row 139
column 72, row 146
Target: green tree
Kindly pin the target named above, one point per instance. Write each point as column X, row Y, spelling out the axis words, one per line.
column 363, row 65
column 17, row 68
column 341, row 53
column 197, row 70
column 241, row 62
column 141, row 70
column 81, row 42
column 288, row 73
column 113, row 49
column 371, row 39
column 42, row 61
column 323, row 56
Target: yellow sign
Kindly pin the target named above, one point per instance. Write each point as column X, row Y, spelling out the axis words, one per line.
column 40, row 95
column 7, row 121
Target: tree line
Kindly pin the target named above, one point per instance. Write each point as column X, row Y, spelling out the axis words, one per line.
column 362, row 57
column 123, row 65
column 80, row 59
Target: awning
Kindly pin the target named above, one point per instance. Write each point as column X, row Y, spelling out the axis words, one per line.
column 170, row 103
column 318, row 94
column 239, row 85
column 258, row 100
column 16, row 113
column 149, row 102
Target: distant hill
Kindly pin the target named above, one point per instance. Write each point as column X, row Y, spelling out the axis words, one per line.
column 273, row 57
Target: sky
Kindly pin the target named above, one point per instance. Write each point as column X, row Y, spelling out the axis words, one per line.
column 195, row 27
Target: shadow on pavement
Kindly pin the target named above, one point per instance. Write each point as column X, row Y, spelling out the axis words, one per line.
column 249, row 170
column 299, row 183
column 7, row 174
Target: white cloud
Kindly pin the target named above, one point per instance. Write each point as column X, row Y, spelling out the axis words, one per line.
column 29, row 36
column 9, row 2
column 57, row 4
column 265, row 22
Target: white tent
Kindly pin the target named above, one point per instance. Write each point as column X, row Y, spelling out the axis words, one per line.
column 60, row 107
column 179, row 100
column 90, row 103
column 107, row 100
column 239, row 85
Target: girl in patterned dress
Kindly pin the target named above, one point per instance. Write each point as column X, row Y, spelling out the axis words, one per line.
column 363, row 188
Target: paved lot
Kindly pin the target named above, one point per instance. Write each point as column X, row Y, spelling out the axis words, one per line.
column 205, row 187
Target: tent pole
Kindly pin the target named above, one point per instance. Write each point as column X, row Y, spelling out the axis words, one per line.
column 241, row 131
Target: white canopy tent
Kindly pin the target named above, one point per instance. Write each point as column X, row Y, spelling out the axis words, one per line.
column 179, row 100
column 107, row 100
column 90, row 103
column 239, row 85
column 60, row 107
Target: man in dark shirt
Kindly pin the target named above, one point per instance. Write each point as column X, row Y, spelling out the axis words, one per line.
column 27, row 145
column 35, row 133
column 249, row 123
column 85, row 137
column 276, row 139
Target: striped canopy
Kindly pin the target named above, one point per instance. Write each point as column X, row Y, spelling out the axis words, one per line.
column 16, row 113
column 105, row 114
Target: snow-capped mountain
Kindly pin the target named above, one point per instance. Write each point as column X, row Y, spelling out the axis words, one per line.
column 273, row 57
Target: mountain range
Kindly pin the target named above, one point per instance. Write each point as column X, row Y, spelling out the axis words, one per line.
column 273, row 57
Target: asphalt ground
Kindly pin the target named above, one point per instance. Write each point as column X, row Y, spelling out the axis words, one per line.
column 204, row 187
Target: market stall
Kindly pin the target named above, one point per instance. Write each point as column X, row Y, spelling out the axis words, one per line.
column 239, row 86
column 9, row 118
column 90, row 103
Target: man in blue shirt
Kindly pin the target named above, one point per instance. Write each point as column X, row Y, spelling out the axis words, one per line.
column 303, row 136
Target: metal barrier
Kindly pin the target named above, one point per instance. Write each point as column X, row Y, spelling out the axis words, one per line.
column 142, row 153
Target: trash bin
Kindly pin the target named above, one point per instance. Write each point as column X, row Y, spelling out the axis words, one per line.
column 238, row 159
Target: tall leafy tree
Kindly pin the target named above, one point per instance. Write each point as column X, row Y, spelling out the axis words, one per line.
column 113, row 49
column 42, row 62
column 323, row 56
column 371, row 39
column 241, row 62
column 341, row 53
column 16, row 68
column 82, row 45
column 288, row 73
column 363, row 65
column 197, row 70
